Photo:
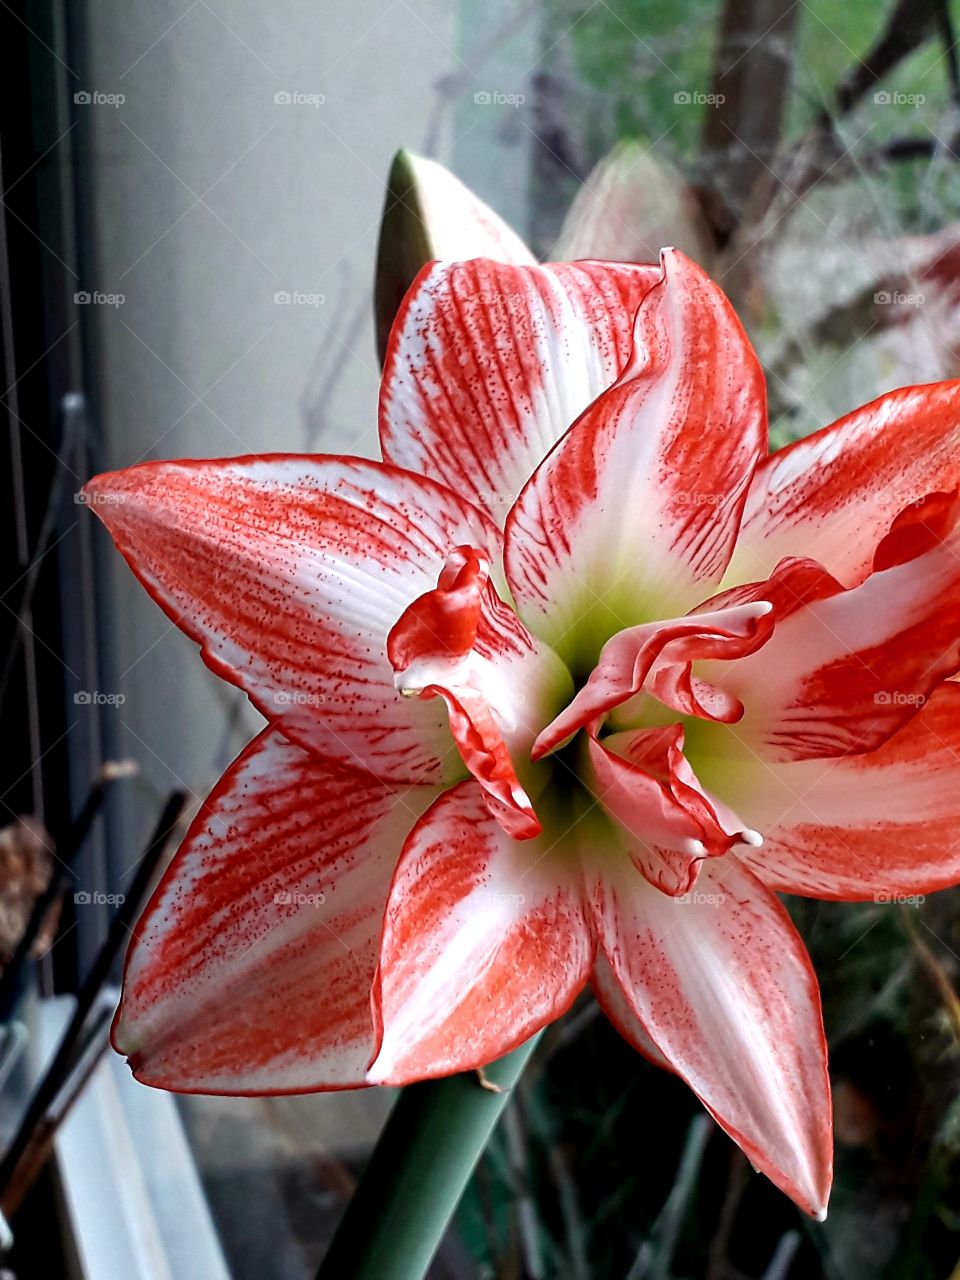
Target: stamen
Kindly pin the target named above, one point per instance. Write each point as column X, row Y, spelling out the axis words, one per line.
column 750, row 837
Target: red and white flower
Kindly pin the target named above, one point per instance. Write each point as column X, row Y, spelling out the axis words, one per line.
column 561, row 692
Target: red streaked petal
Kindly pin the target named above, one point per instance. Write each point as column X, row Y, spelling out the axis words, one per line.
column 483, row 944
column 663, row 838
column 918, row 528
column 833, row 495
column 874, row 826
column 440, row 627
column 289, row 572
column 461, row 643
column 488, row 364
column 637, row 508
column 844, row 671
column 722, row 985
column 251, row 968
column 484, row 752
column 794, row 583
column 647, row 787
column 664, row 651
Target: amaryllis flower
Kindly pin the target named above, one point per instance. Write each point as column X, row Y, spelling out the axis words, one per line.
column 563, row 691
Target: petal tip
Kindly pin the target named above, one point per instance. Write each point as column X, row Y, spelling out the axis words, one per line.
column 104, row 493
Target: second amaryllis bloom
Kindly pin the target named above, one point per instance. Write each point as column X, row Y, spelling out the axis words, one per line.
column 562, row 691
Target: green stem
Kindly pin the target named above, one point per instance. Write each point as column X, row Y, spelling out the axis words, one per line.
column 417, row 1173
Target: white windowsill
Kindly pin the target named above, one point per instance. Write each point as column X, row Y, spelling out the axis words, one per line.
column 134, row 1201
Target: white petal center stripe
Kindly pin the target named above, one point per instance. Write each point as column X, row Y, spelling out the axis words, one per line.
column 489, row 365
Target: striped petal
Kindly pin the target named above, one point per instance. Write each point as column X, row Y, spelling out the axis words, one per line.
column 289, row 572
column 636, row 510
column 845, row 669
column 483, row 944
column 488, row 365
column 875, row 826
column 461, row 643
column 251, row 968
column 721, row 984
column 668, row 824
column 832, row 496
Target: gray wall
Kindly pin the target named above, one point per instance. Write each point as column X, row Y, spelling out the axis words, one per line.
column 210, row 198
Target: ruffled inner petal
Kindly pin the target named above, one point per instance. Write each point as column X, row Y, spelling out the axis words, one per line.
column 647, row 786
column 462, row 644
column 661, row 655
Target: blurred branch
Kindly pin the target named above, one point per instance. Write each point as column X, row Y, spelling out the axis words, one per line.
column 751, row 81
column 655, row 1257
column 935, row 972
column 737, row 1181
column 523, row 1203
column 782, row 1260
column 820, row 153
column 948, row 39
column 569, row 1202
column 910, row 25
column 96, row 1041
column 73, row 414
column 897, row 150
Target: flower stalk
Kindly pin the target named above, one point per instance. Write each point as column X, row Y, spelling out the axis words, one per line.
column 418, row 1171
